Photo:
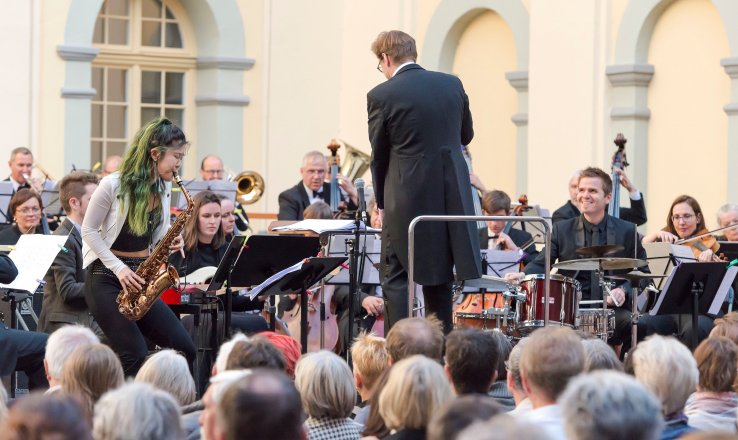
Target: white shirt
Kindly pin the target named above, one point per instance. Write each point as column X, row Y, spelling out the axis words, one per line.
column 401, row 66
column 311, row 195
column 548, row 418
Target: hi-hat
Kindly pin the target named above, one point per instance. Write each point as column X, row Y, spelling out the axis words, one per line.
column 599, row 251
column 635, row 276
column 600, row 263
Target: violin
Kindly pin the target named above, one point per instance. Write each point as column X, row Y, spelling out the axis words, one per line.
column 701, row 241
column 517, row 212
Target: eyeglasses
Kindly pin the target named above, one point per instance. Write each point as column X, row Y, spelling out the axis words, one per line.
column 685, row 217
column 379, row 66
column 212, row 172
column 26, row 211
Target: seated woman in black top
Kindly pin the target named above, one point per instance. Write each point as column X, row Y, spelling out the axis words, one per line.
column 26, row 209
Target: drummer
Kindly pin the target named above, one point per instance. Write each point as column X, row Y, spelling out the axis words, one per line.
column 594, row 227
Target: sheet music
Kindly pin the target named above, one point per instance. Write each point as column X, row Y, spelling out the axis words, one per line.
column 256, row 290
column 33, row 255
column 320, row 225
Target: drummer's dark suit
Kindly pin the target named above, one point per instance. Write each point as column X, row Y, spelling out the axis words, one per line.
column 571, row 234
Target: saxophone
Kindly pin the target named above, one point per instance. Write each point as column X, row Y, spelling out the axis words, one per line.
column 158, row 276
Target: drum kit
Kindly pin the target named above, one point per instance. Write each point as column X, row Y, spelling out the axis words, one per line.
column 518, row 310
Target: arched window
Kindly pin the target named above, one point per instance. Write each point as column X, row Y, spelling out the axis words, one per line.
column 142, row 71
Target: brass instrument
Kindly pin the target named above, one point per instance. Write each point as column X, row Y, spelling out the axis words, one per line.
column 156, row 273
column 355, row 162
column 249, row 187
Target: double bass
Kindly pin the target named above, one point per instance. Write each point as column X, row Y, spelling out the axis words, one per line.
column 619, row 162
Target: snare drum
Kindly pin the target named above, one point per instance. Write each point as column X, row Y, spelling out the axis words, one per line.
column 485, row 311
column 592, row 322
column 563, row 302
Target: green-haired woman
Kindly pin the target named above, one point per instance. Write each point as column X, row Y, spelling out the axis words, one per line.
column 127, row 215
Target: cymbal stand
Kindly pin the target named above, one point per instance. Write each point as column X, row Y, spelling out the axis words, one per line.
column 606, row 286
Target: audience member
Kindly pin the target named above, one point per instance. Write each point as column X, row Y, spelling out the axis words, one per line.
column 90, row 372
column 225, row 351
column 499, row 389
column 713, row 406
column 41, row 417
column 726, row 325
column 416, row 389
column 600, row 356
column 327, row 391
column 412, row 336
column 609, row 405
column 3, row 403
column 261, row 406
column 471, row 360
column 59, row 346
column 289, row 347
column 375, row 426
column 257, row 352
column 370, row 359
column 504, row 427
column 552, row 356
column 458, row 414
column 137, row 411
column 668, row 369
column 209, row 429
column 514, row 382
column 168, row 371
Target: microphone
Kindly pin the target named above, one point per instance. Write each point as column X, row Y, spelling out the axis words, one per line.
column 359, row 183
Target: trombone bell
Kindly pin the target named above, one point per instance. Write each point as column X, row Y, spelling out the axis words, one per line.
column 249, row 187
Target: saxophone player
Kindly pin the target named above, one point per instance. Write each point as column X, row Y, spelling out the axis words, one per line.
column 127, row 216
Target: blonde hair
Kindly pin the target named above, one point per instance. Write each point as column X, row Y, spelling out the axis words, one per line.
column 167, row 370
column 657, row 355
column 326, row 385
column 91, row 371
column 416, row 389
column 551, row 357
column 369, row 354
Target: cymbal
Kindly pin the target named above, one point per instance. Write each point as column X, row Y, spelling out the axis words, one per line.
column 600, row 263
column 599, row 251
column 488, row 282
column 635, row 276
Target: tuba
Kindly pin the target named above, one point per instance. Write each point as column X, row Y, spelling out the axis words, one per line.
column 355, row 162
column 249, row 187
column 158, row 276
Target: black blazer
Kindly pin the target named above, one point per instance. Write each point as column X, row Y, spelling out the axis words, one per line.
column 418, row 121
column 292, row 202
column 519, row 237
column 635, row 214
column 64, row 292
column 568, row 236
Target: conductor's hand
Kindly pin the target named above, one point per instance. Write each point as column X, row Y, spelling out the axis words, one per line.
column 619, row 295
column 177, row 245
column 514, row 277
column 380, row 218
column 128, row 279
column 373, row 305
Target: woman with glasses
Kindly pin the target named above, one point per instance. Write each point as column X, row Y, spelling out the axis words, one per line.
column 26, row 209
column 685, row 220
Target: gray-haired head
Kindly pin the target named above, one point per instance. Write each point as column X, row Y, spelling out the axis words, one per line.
column 167, row 370
column 600, row 356
column 62, row 343
column 225, row 351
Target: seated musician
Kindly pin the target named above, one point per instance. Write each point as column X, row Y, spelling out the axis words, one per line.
column 312, row 188
column 685, row 220
column 26, row 208
column 728, row 215
column 494, row 237
column 594, row 227
column 635, row 214
column 228, row 218
column 205, row 246
column 64, row 292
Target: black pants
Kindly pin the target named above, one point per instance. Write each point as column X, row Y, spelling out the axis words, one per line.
column 160, row 325
column 678, row 325
column 28, row 349
column 438, row 299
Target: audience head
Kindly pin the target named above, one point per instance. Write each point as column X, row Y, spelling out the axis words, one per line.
column 326, row 385
column 39, row 416
column 90, row 372
column 375, row 426
column 551, row 357
column 318, row 211
column 370, row 360
column 289, row 347
column 504, row 427
column 657, row 355
column 111, row 165
column 257, row 352
column 313, row 169
column 514, row 382
column 211, row 168
column 224, row 351
column 600, row 356
column 204, row 225
column 137, row 411
column 717, row 358
column 75, row 190
column 209, row 429
column 727, row 326
column 26, row 206
column 416, row 388
column 459, row 413
column 610, row 405
column 263, row 405
column 167, row 370
column 20, row 164
column 728, row 215
column 685, row 217
column 411, row 336
column 471, row 360
column 395, row 46
column 60, row 345
column 503, row 347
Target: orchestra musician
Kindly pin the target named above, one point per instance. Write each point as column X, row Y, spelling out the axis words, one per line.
column 26, row 208
column 127, row 216
column 728, row 215
column 635, row 214
column 64, row 295
column 497, row 203
column 593, row 227
column 312, row 188
column 418, row 120
column 111, row 165
column 211, row 168
column 21, row 165
column 228, row 217
column 685, row 220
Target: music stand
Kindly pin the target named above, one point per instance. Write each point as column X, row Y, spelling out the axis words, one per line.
column 663, row 257
column 696, row 289
column 311, row 271
column 50, row 198
column 729, row 248
column 338, row 246
column 6, row 193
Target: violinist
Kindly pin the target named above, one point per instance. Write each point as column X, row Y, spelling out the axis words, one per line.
column 500, row 235
column 728, row 215
column 685, row 220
